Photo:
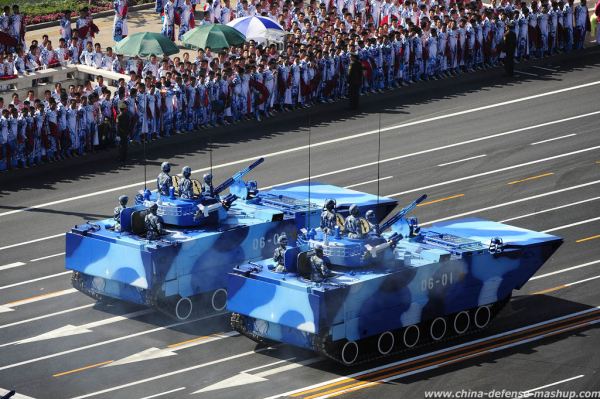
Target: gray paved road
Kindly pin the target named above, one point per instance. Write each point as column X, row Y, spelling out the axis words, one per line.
column 461, row 141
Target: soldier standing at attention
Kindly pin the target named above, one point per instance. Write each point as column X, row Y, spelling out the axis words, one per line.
column 279, row 254
column 117, row 215
column 373, row 225
column 186, row 189
column 319, row 269
column 355, row 77
column 509, row 46
column 207, row 189
column 328, row 220
column 352, row 223
column 164, row 181
column 124, row 126
column 153, row 224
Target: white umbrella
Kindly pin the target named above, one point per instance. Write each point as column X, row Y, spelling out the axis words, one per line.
column 259, row 29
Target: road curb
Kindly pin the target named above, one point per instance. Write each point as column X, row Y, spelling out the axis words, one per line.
column 317, row 114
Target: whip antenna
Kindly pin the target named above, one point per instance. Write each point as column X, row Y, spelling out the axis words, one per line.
column 378, row 155
column 145, row 178
column 309, row 134
column 210, row 157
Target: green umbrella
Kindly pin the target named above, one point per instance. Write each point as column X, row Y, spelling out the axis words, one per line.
column 215, row 36
column 145, row 44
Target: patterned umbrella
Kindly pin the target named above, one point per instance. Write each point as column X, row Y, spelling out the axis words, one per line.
column 215, row 36
column 146, row 43
column 259, row 29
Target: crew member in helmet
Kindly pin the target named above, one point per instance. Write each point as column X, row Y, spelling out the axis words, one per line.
column 207, row 187
column 372, row 219
column 318, row 264
column 328, row 220
column 123, row 199
column 279, row 254
column 164, row 181
column 186, row 189
column 352, row 224
column 153, row 223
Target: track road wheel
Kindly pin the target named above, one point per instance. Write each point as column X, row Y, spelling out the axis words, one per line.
column 218, row 300
column 482, row 317
column 462, row 322
column 438, row 328
column 183, row 308
column 349, row 352
column 411, row 335
column 385, row 342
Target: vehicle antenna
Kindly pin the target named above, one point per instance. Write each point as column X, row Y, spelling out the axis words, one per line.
column 145, row 177
column 378, row 155
column 309, row 134
column 210, row 157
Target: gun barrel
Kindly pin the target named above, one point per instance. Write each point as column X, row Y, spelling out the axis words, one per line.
column 401, row 213
column 227, row 183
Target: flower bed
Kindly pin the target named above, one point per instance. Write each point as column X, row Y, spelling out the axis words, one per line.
column 37, row 12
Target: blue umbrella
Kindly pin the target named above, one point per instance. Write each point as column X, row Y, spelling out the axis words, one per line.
column 259, row 29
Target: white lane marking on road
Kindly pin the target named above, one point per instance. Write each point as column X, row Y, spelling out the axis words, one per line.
column 528, row 393
column 47, row 257
column 300, row 148
column 146, row 354
column 9, row 307
column 554, row 139
column 171, row 373
column 369, row 182
column 101, row 343
column 543, row 69
column 358, row 374
column 487, row 208
column 527, row 73
column 456, row 359
column 324, row 174
column 550, row 209
column 463, row 160
column 16, row 396
column 69, row 329
column 568, row 269
column 585, row 280
column 245, row 378
column 16, row 323
column 34, row 280
column 155, row 353
column 31, row 241
column 566, row 226
column 12, row 265
column 491, row 172
column 156, row 395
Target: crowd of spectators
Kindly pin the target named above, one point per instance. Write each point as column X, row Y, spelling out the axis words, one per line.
column 397, row 43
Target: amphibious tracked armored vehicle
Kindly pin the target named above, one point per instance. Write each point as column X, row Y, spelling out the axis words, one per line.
column 389, row 288
column 185, row 269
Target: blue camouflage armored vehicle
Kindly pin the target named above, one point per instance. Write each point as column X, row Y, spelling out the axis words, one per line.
column 174, row 253
column 357, row 290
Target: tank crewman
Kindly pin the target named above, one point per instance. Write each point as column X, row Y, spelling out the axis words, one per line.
column 318, row 264
column 328, row 220
column 414, row 228
column 207, row 187
column 372, row 219
column 186, row 189
column 279, row 254
column 352, row 224
column 117, row 214
column 164, row 181
column 153, row 224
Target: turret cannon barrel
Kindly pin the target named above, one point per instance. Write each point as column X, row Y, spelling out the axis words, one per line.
column 401, row 213
column 227, row 183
